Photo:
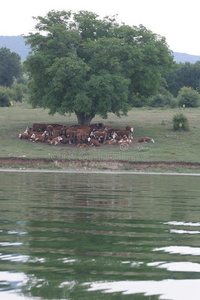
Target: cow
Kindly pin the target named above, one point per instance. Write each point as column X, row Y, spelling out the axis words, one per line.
column 63, row 130
column 55, row 141
column 93, row 142
column 65, row 140
column 39, row 127
column 82, row 145
column 127, row 133
column 39, row 137
column 145, row 140
column 123, row 133
column 24, row 135
column 110, row 142
column 125, row 141
column 99, row 135
column 82, row 135
column 129, row 128
column 96, row 126
column 56, row 131
column 71, row 134
column 50, row 130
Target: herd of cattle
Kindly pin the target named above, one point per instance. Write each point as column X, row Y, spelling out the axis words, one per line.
column 81, row 135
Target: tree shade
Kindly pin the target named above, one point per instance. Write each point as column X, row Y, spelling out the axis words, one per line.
column 90, row 66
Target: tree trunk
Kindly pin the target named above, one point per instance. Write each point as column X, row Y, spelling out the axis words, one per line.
column 84, row 119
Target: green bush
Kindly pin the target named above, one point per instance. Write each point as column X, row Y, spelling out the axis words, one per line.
column 137, row 101
column 189, row 97
column 180, row 122
column 4, row 96
column 162, row 99
column 17, row 92
column 173, row 103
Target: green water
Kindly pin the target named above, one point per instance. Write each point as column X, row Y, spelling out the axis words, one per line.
column 99, row 236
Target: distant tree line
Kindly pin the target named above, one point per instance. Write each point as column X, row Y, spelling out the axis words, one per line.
column 181, row 87
column 11, row 77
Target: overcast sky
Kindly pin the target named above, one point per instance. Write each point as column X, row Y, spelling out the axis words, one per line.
column 177, row 20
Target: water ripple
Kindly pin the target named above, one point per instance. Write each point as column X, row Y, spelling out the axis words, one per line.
column 183, row 250
column 166, row 289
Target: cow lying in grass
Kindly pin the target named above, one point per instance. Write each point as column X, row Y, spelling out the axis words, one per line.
column 93, row 135
column 145, row 140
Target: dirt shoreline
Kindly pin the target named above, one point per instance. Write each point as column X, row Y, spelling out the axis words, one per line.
column 95, row 165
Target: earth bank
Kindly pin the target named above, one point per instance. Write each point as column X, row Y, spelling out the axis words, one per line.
column 112, row 165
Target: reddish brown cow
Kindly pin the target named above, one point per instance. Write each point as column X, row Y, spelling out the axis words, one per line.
column 96, row 126
column 123, row 133
column 82, row 145
column 125, row 141
column 110, row 142
column 39, row 137
column 129, row 128
column 55, row 141
column 82, row 135
column 71, row 134
column 65, row 140
column 145, row 140
column 24, row 135
column 39, row 127
column 93, row 142
column 99, row 135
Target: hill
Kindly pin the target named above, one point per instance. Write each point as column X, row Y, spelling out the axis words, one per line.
column 184, row 57
column 17, row 44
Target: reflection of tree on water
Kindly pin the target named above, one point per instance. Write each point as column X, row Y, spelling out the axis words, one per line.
column 77, row 228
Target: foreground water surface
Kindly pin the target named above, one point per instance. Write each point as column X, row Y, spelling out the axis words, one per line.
column 99, row 236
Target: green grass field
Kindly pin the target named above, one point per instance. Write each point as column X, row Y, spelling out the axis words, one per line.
column 155, row 123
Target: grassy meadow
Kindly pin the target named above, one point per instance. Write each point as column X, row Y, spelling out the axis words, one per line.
column 155, row 123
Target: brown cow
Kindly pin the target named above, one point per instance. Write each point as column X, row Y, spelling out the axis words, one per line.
column 82, row 145
column 96, row 126
column 110, row 142
column 55, row 141
column 99, row 135
column 145, row 140
column 39, row 137
column 24, row 135
column 93, row 142
column 39, row 127
column 129, row 128
column 82, row 135
column 65, row 140
column 125, row 141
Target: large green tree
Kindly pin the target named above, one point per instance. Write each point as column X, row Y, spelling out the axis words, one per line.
column 90, row 66
column 10, row 67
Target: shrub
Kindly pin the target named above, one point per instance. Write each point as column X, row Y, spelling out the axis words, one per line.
column 137, row 101
column 189, row 97
column 17, row 92
column 162, row 99
column 173, row 103
column 4, row 96
column 180, row 122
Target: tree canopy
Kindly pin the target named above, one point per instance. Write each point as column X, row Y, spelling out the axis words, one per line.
column 10, row 66
column 86, row 65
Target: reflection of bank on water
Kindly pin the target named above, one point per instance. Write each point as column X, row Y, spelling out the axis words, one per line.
column 87, row 236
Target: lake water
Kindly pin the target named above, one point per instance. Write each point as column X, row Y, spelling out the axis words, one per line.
column 99, row 236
